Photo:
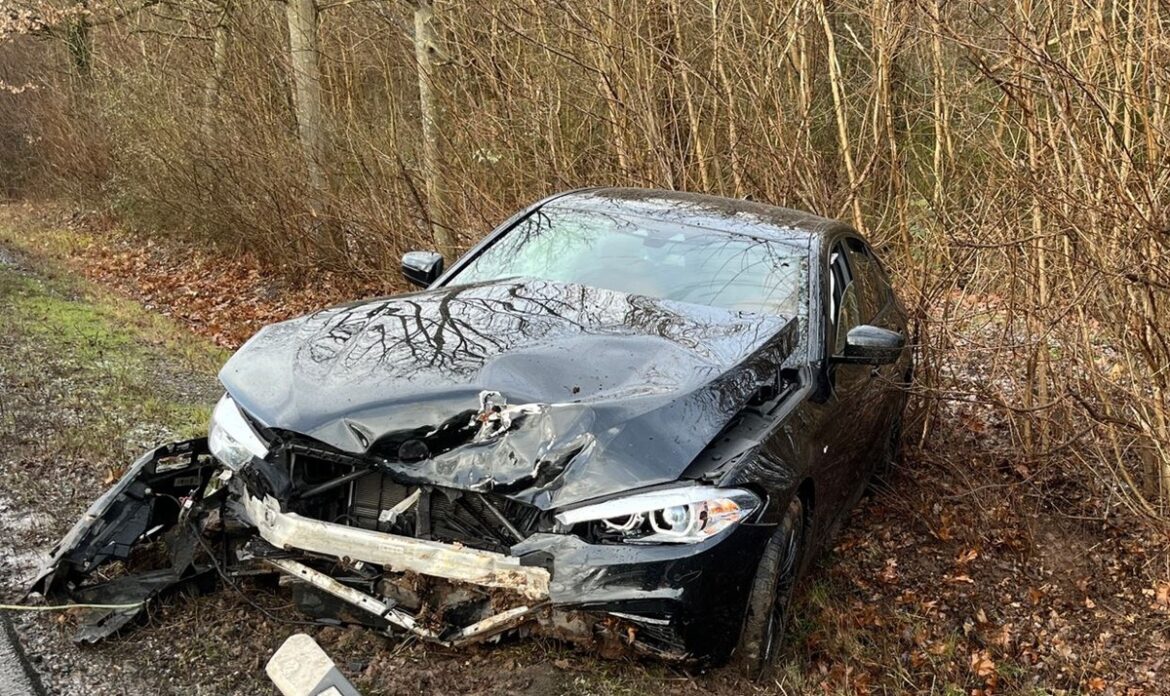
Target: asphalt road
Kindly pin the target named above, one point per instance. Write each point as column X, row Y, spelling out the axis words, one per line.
column 17, row 677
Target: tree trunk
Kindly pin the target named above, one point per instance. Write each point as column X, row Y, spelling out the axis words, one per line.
column 838, row 89
column 306, row 74
column 424, row 52
column 213, row 87
column 695, row 153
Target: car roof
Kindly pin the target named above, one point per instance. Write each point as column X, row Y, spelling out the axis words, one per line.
column 729, row 215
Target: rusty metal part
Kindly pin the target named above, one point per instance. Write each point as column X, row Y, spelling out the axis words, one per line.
column 495, row 624
column 359, row 599
column 480, row 630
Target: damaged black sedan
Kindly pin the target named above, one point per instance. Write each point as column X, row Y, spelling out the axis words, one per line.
column 625, row 419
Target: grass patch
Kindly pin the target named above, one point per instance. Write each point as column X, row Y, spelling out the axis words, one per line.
column 86, row 375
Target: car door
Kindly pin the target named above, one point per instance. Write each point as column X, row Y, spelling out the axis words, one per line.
column 847, row 431
column 878, row 306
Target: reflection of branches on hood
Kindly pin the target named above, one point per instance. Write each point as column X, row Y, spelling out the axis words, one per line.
column 433, row 332
column 531, row 316
column 458, row 328
column 650, row 317
column 469, row 345
column 721, row 341
column 546, row 300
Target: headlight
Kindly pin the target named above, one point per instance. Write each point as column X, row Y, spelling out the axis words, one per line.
column 231, row 438
column 674, row 515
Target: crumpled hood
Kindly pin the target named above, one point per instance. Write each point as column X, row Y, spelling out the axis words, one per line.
column 629, row 389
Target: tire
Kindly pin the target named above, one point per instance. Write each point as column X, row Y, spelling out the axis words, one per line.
column 890, row 456
column 770, row 596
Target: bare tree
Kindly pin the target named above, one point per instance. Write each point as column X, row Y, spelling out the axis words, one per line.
column 425, row 49
column 220, row 35
column 306, row 75
column 80, row 41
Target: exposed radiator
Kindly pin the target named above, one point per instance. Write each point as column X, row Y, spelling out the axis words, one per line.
column 468, row 517
column 371, row 495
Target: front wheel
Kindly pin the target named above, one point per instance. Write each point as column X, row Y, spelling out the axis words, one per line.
column 890, row 455
column 770, row 597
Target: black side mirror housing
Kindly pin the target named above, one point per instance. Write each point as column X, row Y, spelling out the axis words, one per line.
column 872, row 345
column 421, row 267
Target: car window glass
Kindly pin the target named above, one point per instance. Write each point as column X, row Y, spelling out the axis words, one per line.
column 848, row 316
column 843, row 305
column 867, row 289
column 871, row 294
column 646, row 257
column 839, row 278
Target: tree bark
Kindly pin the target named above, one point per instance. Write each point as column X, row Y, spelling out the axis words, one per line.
column 220, row 35
column 306, row 74
column 424, row 52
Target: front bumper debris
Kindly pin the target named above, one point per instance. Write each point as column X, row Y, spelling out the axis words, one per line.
column 288, row 530
column 176, row 520
column 480, row 630
column 151, row 523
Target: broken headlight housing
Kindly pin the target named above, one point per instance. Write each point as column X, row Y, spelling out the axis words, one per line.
column 674, row 515
column 231, row 438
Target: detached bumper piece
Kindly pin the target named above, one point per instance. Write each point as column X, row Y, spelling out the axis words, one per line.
column 150, row 524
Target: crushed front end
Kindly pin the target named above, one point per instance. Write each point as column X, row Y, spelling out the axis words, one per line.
column 662, row 572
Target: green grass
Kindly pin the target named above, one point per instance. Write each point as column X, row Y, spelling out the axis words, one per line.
column 88, row 374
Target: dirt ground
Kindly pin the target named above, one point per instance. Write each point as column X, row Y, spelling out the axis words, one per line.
column 965, row 574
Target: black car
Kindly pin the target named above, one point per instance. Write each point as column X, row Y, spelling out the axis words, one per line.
column 626, row 418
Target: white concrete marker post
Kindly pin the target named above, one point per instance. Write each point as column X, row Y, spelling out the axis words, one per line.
column 301, row 668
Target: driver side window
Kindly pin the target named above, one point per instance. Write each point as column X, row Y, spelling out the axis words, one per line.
column 844, row 312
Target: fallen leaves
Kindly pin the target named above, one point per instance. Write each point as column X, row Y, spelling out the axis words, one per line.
column 1161, row 597
column 944, row 531
column 982, row 665
column 226, row 299
column 889, row 574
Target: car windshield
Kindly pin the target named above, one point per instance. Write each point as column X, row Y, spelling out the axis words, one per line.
column 647, row 257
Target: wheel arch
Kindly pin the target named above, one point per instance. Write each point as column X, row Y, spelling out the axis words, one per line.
column 806, row 491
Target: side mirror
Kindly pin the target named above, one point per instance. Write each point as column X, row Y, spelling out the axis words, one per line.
column 421, row 267
column 872, row 345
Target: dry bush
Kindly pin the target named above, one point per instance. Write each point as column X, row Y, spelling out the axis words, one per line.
column 1009, row 157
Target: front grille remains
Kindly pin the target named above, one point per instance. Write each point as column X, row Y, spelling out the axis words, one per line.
column 486, row 521
column 371, row 495
column 330, row 486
